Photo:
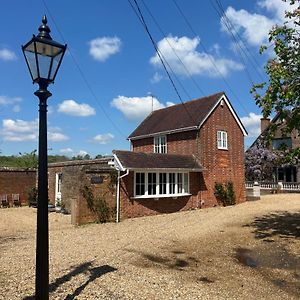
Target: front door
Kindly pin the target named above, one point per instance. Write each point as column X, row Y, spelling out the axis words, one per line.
column 58, row 177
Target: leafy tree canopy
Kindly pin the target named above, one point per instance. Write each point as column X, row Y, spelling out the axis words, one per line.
column 281, row 94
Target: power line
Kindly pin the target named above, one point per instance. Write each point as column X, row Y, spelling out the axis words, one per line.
column 211, row 60
column 83, row 75
column 166, row 38
column 236, row 37
column 159, row 54
column 141, row 18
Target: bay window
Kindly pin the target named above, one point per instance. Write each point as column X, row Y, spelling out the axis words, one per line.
column 163, row 184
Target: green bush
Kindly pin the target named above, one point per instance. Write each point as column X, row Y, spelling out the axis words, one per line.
column 32, row 196
column 225, row 194
column 98, row 204
column 102, row 209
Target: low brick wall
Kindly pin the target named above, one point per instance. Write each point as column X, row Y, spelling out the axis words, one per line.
column 17, row 181
column 94, row 174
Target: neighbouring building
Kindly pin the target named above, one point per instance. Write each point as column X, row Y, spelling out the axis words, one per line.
column 178, row 154
column 281, row 140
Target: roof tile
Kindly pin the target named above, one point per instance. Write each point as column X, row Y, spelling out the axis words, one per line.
column 191, row 114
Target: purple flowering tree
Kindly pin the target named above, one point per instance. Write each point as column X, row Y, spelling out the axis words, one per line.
column 260, row 163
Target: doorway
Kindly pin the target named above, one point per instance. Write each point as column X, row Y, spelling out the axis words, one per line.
column 58, row 181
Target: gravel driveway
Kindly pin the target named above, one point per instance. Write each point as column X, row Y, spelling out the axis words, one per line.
column 249, row 251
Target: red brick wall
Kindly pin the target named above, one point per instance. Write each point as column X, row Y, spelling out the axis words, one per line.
column 177, row 143
column 222, row 165
column 17, row 182
column 143, row 145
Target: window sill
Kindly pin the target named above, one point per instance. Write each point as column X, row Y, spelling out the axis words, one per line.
column 223, row 149
column 161, row 196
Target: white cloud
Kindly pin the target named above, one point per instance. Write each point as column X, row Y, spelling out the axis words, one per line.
column 66, row 151
column 136, row 108
column 103, row 138
column 82, row 153
column 277, row 7
column 57, row 137
column 70, row 107
column 6, row 54
column 20, row 131
column 20, row 126
column 252, row 124
column 5, row 100
column 254, row 27
column 170, row 103
column 156, row 78
column 194, row 61
column 102, row 48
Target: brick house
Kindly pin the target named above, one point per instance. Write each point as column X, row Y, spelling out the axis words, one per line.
column 178, row 154
column 281, row 140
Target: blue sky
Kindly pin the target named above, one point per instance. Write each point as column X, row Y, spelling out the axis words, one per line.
column 104, row 86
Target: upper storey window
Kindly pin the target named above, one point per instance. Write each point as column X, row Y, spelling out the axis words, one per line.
column 282, row 144
column 222, row 140
column 160, row 144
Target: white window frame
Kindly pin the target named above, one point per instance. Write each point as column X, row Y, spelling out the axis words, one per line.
column 184, row 190
column 222, row 140
column 160, row 144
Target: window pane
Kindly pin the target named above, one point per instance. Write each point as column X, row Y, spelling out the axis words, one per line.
column 162, row 183
column 282, row 144
column 172, row 183
column 222, row 140
column 140, row 184
column 179, row 183
column 160, row 144
column 151, row 183
column 186, row 182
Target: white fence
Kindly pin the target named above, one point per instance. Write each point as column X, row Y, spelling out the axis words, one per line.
column 276, row 186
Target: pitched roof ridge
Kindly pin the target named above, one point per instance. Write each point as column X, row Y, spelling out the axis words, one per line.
column 187, row 102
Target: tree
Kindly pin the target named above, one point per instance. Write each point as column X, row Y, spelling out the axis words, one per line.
column 27, row 160
column 282, row 92
column 260, row 162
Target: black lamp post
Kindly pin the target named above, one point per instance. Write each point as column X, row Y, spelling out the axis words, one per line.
column 43, row 57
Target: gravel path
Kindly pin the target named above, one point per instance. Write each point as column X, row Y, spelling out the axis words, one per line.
column 249, row 251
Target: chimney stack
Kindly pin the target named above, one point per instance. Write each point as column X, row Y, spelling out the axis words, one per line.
column 264, row 123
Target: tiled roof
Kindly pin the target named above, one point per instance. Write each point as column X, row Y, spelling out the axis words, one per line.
column 178, row 116
column 139, row 160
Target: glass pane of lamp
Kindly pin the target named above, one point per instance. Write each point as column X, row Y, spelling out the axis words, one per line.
column 56, row 61
column 30, row 58
column 44, row 65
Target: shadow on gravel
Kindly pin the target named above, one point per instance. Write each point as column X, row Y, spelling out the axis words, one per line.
column 275, row 258
column 283, row 224
column 175, row 259
column 94, row 273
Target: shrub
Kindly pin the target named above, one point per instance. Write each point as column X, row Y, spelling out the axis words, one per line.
column 102, row 209
column 225, row 193
column 98, row 204
column 32, row 196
